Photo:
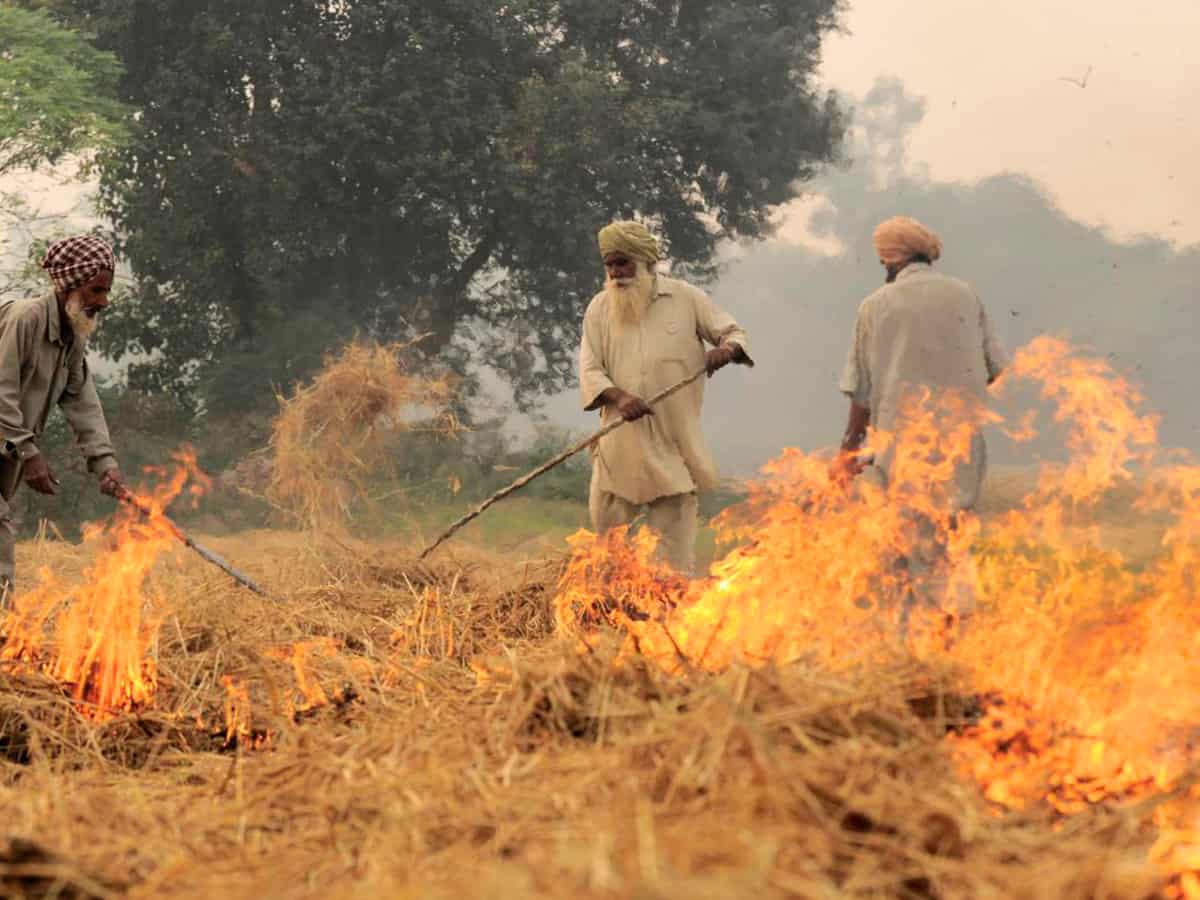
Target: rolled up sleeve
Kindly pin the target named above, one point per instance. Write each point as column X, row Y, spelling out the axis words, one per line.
column 993, row 350
column 594, row 379
column 718, row 327
column 80, row 404
column 855, row 382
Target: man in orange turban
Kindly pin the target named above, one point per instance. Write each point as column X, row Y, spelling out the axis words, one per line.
column 901, row 240
column 922, row 331
column 922, row 338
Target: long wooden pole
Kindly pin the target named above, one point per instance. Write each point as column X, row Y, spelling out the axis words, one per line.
column 241, row 578
column 547, row 466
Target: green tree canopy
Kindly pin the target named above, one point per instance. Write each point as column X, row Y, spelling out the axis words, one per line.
column 57, row 91
column 299, row 170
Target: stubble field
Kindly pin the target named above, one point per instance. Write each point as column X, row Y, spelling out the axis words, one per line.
column 576, row 722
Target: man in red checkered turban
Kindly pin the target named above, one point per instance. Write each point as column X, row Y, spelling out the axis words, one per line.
column 74, row 261
column 43, row 362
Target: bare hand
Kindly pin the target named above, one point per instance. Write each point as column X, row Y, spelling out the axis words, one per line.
column 718, row 358
column 39, row 477
column 112, row 483
column 631, row 408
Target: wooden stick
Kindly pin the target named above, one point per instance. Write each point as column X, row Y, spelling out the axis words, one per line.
column 128, row 498
column 558, row 460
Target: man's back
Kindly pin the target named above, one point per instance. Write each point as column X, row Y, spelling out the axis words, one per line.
column 924, row 330
column 28, row 313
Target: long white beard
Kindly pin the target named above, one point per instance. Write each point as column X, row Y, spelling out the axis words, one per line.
column 629, row 298
column 81, row 323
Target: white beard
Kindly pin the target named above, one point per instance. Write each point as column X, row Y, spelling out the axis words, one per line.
column 629, row 298
column 81, row 324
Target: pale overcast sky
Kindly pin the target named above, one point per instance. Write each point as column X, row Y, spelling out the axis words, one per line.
column 1124, row 151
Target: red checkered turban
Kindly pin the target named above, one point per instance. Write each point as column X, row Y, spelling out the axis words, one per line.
column 77, row 260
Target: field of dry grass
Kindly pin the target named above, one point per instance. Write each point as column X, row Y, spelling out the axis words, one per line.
column 410, row 730
column 1136, row 533
column 516, row 723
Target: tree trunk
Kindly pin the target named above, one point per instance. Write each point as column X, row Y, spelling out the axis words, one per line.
column 451, row 301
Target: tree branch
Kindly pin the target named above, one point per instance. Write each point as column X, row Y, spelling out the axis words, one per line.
column 451, row 298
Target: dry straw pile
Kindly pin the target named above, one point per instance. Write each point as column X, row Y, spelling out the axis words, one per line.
column 418, row 731
column 333, row 435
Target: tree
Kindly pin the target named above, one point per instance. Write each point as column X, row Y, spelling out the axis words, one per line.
column 57, row 105
column 56, row 92
column 299, row 170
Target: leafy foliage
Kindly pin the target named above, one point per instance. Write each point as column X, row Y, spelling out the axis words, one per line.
column 56, row 91
column 302, row 170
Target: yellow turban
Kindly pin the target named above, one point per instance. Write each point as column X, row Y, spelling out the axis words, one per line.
column 631, row 238
column 898, row 240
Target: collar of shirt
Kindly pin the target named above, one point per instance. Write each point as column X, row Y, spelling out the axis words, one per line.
column 53, row 320
column 912, row 269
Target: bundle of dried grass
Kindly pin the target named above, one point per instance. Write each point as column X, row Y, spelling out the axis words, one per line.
column 332, row 434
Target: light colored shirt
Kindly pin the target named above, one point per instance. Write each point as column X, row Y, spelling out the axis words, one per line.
column 40, row 365
column 925, row 330
column 664, row 454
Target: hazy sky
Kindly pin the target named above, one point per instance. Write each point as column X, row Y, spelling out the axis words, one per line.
column 1122, row 152
column 981, row 96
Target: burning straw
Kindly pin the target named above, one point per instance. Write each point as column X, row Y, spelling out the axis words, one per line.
column 404, row 732
column 1091, row 658
column 96, row 637
column 482, row 729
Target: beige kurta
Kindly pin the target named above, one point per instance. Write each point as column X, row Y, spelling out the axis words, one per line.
column 40, row 365
column 664, row 454
column 925, row 329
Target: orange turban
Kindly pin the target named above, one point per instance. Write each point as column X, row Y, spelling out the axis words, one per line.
column 898, row 240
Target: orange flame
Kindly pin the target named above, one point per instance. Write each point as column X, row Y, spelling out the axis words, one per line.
column 1091, row 655
column 97, row 637
column 308, row 684
column 237, row 709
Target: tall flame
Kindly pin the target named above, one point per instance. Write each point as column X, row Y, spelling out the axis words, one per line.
column 97, row 637
column 1093, row 655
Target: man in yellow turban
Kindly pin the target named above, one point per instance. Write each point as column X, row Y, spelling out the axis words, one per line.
column 642, row 334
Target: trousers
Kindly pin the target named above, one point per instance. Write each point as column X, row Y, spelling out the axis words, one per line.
column 676, row 518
